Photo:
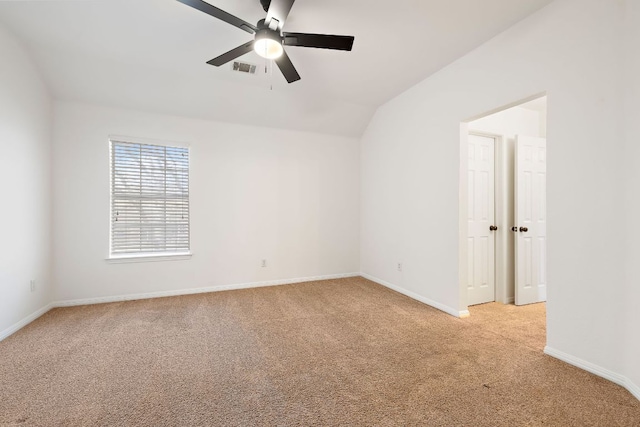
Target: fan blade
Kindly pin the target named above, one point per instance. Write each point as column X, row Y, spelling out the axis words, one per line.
column 279, row 10
column 205, row 7
column 232, row 54
column 321, row 41
column 287, row 68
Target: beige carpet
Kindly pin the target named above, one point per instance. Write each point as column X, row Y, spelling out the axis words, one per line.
column 333, row 353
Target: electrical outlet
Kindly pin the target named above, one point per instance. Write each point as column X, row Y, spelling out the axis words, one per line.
column 399, row 266
column 33, row 285
column 264, row 263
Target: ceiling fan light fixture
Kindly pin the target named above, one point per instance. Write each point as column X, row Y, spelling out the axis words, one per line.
column 268, row 44
column 269, row 39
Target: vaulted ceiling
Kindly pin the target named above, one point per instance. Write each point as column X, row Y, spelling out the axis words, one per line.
column 151, row 55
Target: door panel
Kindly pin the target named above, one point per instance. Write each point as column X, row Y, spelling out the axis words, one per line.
column 481, row 212
column 531, row 213
column 528, row 276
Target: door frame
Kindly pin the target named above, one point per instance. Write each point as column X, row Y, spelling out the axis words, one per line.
column 463, row 212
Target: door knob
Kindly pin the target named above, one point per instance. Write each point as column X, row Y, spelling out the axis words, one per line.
column 523, row 229
column 514, row 229
column 493, row 228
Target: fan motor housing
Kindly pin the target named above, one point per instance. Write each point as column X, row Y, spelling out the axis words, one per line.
column 262, row 25
column 267, row 33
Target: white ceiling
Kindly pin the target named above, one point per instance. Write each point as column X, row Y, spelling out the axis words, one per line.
column 151, row 55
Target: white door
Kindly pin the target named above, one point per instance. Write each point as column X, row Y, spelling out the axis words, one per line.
column 481, row 211
column 531, row 220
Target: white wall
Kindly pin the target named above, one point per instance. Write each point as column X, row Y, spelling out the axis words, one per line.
column 256, row 193
column 506, row 125
column 25, row 119
column 630, row 229
column 410, row 171
column 511, row 122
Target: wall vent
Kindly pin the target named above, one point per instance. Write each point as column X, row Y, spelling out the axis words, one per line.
column 243, row 67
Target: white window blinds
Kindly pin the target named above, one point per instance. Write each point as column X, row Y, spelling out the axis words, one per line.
column 149, row 199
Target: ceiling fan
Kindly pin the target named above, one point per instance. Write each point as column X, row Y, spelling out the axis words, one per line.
column 269, row 40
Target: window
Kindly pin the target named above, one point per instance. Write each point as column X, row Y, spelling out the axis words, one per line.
column 149, row 199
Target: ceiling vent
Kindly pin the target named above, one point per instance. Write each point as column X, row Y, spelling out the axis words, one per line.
column 243, row 67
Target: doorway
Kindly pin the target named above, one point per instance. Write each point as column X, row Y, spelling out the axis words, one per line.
column 503, row 205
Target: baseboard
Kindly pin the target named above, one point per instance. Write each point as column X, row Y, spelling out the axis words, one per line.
column 24, row 322
column 417, row 297
column 633, row 389
column 621, row 380
column 161, row 294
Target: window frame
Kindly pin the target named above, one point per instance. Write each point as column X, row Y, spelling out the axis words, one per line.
column 146, row 256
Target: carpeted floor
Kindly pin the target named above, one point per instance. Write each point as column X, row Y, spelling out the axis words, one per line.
column 334, row 353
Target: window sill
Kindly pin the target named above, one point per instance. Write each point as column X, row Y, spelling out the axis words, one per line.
column 119, row 259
